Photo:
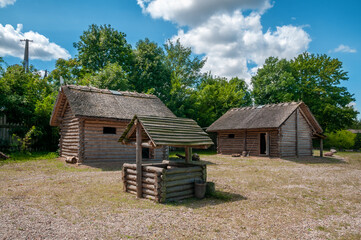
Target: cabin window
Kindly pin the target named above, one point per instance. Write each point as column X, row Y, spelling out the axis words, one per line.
column 230, row 135
column 109, row 130
column 147, row 153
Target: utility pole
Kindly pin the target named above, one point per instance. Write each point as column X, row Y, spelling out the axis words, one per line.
column 26, row 54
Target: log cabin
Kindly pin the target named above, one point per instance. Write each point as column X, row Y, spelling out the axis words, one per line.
column 91, row 120
column 273, row 130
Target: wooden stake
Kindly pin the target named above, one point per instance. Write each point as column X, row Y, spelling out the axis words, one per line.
column 139, row 160
column 188, row 151
column 321, row 147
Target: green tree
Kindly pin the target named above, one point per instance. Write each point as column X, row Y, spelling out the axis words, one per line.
column 101, row 45
column 150, row 72
column 70, row 70
column 185, row 76
column 112, row 76
column 215, row 96
column 341, row 139
column 27, row 99
column 314, row 79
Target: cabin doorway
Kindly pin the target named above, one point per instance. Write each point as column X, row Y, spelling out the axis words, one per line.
column 263, row 144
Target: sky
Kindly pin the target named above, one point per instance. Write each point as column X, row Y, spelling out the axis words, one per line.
column 235, row 36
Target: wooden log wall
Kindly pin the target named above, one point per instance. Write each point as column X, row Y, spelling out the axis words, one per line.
column 69, row 134
column 304, row 137
column 162, row 183
column 105, row 147
column 230, row 146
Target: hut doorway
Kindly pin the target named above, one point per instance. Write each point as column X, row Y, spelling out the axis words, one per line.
column 263, row 144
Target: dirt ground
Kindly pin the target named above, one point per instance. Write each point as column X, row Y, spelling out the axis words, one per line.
column 308, row 198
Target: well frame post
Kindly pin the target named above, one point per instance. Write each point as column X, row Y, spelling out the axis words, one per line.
column 139, row 159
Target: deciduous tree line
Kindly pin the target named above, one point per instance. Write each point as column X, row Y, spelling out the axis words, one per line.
column 106, row 60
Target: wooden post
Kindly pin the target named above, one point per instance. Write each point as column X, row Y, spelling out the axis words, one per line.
column 139, row 159
column 245, row 141
column 297, row 152
column 188, row 151
column 268, row 145
column 321, row 147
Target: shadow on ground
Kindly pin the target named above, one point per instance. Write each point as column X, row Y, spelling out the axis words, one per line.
column 219, row 197
column 316, row 160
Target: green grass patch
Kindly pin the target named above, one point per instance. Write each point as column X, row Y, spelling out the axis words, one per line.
column 16, row 157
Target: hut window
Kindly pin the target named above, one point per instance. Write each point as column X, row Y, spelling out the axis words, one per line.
column 109, row 130
column 230, row 135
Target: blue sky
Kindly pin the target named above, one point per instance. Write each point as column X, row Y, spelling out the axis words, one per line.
column 235, row 35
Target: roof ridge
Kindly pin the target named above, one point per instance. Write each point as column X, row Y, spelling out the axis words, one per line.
column 108, row 91
column 266, row 105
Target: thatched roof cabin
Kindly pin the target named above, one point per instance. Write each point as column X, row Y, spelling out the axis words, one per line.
column 91, row 120
column 276, row 130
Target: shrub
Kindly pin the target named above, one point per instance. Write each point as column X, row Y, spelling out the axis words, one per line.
column 341, row 139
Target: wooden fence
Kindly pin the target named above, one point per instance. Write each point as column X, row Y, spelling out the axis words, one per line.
column 6, row 139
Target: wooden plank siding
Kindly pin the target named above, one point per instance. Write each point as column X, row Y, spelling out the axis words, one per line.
column 105, row 147
column 229, row 146
column 292, row 144
column 69, row 134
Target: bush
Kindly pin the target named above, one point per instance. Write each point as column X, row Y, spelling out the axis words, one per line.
column 341, row 139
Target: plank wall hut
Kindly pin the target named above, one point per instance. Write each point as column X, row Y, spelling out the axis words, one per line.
column 91, row 121
column 274, row 130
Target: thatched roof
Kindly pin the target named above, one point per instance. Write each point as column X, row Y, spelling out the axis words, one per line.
column 102, row 103
column 266, row 116
column 168, row 131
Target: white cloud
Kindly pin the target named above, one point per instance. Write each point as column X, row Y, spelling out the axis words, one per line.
column 3, row 3
column 345, row 49
column 193, row 12
column 233, row 43
column 41, row 48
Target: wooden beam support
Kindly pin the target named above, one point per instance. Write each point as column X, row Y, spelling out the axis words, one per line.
column 139, row 160
column 321, row 147
column 297, row 120
column 245, row 141
column 188, row 151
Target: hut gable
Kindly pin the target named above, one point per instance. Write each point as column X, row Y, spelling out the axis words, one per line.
column 262, row 117
column 92, row 102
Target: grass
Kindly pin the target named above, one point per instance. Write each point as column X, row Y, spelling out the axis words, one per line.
column 255, row 198
column 16, row 157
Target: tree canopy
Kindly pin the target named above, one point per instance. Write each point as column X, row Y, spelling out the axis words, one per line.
column 313, row 79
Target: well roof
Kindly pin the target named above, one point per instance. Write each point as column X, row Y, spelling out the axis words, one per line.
column 168, row 131
column 103, row 103
column 266, row 116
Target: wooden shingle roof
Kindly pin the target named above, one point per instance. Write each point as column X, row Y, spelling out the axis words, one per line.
column 93, row 102
column 168, row 131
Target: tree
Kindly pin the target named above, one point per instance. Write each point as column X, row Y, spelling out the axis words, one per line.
column 70, row 70
column 101, row 45
column 27, row 99
column 185, row 77
column 150, row 72
column 342, row 139
column 112, row 76
column 313, row 79
column 215, row 96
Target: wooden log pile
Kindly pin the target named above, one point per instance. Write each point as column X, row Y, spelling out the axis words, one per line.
column 164, row 182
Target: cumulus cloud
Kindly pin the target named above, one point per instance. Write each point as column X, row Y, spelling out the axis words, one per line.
column 234, row 44
column 231, row 42
column 4, row 3
column 41, row 48
column 193, row 12
column 344, row 49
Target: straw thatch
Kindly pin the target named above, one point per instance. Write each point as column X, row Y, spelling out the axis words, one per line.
column 102, row 103
column 261, row 117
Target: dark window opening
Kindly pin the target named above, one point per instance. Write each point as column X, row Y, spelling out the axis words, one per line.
column 230, row 135
column 147, row 153
column 109, row 130
column 263, row 147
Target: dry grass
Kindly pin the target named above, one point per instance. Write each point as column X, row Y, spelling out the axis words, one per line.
column 308, row 198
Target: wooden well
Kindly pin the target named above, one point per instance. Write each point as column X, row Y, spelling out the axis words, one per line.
column 164, row 182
